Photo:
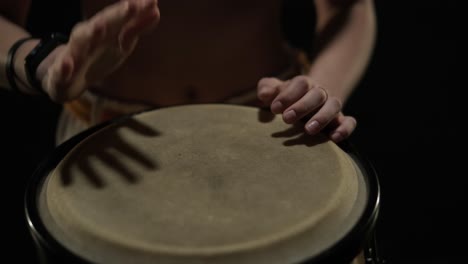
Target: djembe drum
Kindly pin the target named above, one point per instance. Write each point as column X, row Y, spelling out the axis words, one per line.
column 202, row 184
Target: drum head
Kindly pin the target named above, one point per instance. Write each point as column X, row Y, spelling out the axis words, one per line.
column 201, row 184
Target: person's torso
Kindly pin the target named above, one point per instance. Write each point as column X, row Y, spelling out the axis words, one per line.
column 201, row 51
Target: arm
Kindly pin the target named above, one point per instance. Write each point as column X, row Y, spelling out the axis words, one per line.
column 13, row 15
column 344, row 41
column 345, row 35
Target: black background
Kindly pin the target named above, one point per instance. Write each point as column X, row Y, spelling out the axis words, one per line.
column 408, row 105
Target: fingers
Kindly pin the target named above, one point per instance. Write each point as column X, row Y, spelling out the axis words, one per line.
column 108, row 37
column 107, row 22
column 301, row 97
column 298, row 98
column 324, row 116
column 124, row 21
column 290, row 93
column 268, row 89
column 310, row 102
column 118, row 25
column 146, row 20
column 86, row 37
column 84, row 40
column 341, row 128
column 114, row 17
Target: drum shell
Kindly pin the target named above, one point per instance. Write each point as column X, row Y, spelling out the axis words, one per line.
column 359, row 239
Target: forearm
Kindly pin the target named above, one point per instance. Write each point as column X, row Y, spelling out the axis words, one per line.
column 346, row 38
column 12, row 32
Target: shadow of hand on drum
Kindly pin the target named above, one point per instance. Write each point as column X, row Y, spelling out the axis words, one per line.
column 108, row 150
column 296, row 130
column 297, row 136
column 265, row 116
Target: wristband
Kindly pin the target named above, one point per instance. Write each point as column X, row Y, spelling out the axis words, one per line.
column 38, row 54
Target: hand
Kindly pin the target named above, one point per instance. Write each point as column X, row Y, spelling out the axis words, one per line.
column 300, row 97
column 96, row 48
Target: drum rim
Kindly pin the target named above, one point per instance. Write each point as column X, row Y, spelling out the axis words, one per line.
column 344, row 250
column 36, row 226
column 347, row 248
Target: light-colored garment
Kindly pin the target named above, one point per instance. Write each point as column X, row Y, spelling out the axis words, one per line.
column 91, row 109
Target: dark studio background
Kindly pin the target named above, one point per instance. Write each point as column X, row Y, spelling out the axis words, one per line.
column 408, row 105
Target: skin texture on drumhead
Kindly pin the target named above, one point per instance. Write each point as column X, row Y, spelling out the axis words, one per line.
column 201, row 184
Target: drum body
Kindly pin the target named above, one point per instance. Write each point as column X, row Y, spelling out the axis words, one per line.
column 203, row 184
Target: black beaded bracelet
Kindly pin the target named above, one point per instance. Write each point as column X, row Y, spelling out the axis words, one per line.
column 10, row 61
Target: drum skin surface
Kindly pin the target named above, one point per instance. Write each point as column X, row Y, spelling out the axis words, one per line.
column 202, row 184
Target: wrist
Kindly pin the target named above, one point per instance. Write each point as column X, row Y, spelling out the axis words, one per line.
column 45, row 49
column 18, row 64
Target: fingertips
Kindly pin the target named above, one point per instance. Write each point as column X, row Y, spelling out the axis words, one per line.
column 151, row 5
column 125, row 10
column 345, row 128
column 266, row 93
column 313, row 127
column 269, row 81
column 130, row 33
column 337, row 137
column 147, row 10
column 277, row 107
column 290, row 116
column 148, row 13
column 267, row 89
column 146, row 18
column 115, row 16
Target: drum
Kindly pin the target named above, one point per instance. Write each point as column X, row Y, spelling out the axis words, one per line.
column 204, row 184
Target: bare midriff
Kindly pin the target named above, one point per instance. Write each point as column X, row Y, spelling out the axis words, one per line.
column 201, row 52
